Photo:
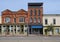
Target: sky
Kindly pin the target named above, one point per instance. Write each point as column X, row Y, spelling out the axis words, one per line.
column 49, row 6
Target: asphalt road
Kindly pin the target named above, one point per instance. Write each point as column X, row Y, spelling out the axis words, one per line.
column 31, row 39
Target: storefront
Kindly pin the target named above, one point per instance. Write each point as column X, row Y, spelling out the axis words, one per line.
column 36, row 29
column 17, row 29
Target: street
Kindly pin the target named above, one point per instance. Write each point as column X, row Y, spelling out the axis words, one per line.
column 31, row 39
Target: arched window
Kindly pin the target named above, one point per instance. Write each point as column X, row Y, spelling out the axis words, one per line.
column 7, row 19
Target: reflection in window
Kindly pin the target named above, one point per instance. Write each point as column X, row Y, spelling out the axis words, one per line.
column 7, row 19
column 57, row 30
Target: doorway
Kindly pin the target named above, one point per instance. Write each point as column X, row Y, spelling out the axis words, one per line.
column 7, row 30
column 22, row 29
column 37, row 31
column 0, row 30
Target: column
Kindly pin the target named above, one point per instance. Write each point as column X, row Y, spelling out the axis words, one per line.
column 2, row 29
column 17, row 33
column 13, row 30
column 3, row 33
column 10, row 30
column 25, row 30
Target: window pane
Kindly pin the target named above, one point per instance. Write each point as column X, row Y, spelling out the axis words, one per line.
column 31, row 19
column 54, row 21
column 35, row 12
column 31, row 12
column 46, row 21
column 7, row 19
column 57, row 30
column 38, row 12
column 39, row 20
column 21, row 19
column 34, row 19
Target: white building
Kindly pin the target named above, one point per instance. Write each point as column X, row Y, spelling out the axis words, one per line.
column 53, row 19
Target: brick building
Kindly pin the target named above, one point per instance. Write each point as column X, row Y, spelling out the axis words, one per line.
column 35, row 16
column 14, row 22
column 21, row 21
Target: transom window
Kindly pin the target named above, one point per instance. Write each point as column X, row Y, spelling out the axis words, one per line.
column 21, row 19
column 7, row 19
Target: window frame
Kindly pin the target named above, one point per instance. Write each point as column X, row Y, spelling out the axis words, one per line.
column 35, row 12
column 38, row 19
column 21, row 19
column 54, row 21
column 31, row 20
column 31, row 11
column 35, row 19
column 7, row 20
column 14, row 20
column 46, row 21
column 39, row 12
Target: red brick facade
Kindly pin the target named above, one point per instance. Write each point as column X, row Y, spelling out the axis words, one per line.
column 25, row 14
column 41, row 14
column 13, row 14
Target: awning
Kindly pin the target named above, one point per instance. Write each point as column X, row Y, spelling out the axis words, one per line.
column 37, row 26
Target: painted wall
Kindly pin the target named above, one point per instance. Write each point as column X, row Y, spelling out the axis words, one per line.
column 50, row 20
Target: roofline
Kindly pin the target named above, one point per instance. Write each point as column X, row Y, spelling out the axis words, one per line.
column 51, row 14
column 35, row 4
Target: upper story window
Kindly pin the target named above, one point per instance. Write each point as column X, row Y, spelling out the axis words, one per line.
column 14, row 20
column 7, row 19
column 21, row 19
column 35, row 12
column 39, row 20
column 54, row 21
column 38, row 12
column 34, row 19
column 31, row 12
column 46, row 21
column 31, row 19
